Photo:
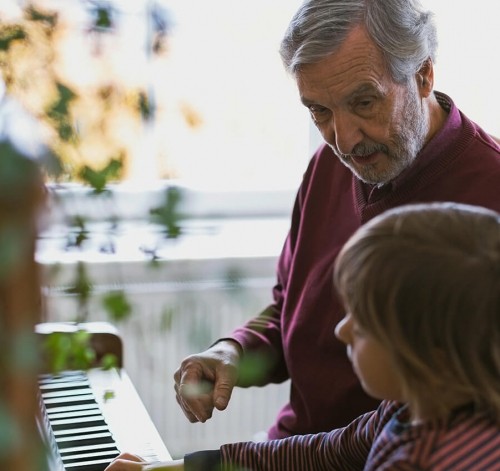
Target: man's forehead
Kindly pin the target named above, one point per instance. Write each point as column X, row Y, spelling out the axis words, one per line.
column 354, row 68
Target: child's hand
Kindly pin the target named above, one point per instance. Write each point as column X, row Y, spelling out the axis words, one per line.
column 129, row 462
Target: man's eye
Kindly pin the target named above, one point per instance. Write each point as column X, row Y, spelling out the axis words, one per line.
column 318, row 113
column 364, row 105
column 317, row 108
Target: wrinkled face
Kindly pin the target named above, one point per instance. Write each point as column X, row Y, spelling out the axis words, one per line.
column 370, row 360
column 373, row 124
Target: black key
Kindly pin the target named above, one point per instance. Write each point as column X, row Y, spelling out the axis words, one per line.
column 83, row 440
column 77, row 422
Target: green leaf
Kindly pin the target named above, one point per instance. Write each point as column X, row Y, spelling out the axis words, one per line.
column 69, row 350
column 168, row 215
column 108, row 394
column 253, row 368
column 80, row 235
column 109, row 361
column 103, row 17
column 82, row 285
column 10, row 34
column 145, row 106
column 65, row 131
column 60, row 107
column 117, row 305
column 49, row 19
column 98, row 179
column 59, row 112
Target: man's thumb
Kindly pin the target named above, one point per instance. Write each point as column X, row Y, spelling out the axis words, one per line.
column 222, row 393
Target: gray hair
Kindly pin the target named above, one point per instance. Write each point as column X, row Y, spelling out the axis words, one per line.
column 403, row 31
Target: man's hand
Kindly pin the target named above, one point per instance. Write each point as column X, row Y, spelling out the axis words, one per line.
column 129, row 462
column 206, row 380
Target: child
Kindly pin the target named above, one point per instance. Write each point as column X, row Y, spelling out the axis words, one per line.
column 421, row 288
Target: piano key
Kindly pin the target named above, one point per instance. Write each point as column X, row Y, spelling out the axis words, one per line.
column 65, row 377
column 87, row 448
column 66, row 393
column 81, row 431
column 86, row 452
column 55, row 385
column 72, row 413
column 89, row 416
column 110, row 454
column 78, row 400
column 82, row 440
column 77, row 422
column 138, row 439
column 92, row 465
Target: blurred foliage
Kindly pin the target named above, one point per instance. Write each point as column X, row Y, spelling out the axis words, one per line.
column 91, row 130
column 253, row 368
column 117, row 305
column 168, row 215
column 69, row 351
column 73, row 351
column 82, row 288
column 98, row 179
column 87, row 123
column 77, row 232
column 102, row 17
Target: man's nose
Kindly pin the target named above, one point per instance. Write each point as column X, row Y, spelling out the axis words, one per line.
column 347, row 132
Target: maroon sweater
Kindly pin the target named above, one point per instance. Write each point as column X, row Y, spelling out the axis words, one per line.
column 461, row 163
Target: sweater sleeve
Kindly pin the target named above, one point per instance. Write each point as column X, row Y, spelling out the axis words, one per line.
column 262, row 335
column 343, row 449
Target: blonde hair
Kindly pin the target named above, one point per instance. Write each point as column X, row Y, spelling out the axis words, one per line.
column 424, row 280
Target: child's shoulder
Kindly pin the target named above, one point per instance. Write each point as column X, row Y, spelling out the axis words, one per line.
column 468, row 440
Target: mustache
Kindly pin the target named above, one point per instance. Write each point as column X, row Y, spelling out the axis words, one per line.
column 364, row 149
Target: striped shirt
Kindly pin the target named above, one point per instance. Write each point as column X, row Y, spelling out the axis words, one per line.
column 381, row 440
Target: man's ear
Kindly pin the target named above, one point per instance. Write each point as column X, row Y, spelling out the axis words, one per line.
column 425, row 78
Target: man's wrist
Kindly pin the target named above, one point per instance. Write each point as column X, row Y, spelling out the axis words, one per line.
column 231, row 344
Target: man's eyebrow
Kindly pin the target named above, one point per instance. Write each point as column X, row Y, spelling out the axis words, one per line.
column 305, row 101
column 363, row 89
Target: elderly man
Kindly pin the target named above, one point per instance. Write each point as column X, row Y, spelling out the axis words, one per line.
column 364, row 69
